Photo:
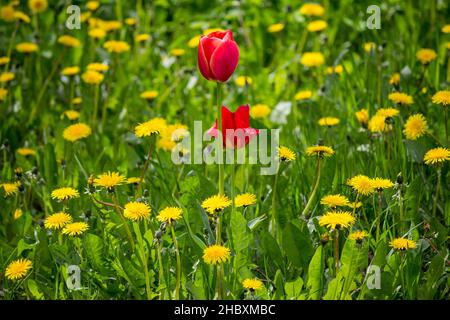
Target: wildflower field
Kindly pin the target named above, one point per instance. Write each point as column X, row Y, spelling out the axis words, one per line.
column 115, row 117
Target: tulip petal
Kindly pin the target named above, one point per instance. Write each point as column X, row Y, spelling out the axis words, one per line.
column 242, row 117
column 224, row 60
column 203, row 64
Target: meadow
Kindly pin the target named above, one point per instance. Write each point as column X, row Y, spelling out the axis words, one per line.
column 98, row 97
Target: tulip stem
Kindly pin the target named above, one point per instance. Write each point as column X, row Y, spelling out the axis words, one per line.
column 219, row 138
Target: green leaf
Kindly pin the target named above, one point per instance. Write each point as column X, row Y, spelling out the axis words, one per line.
column 279, row 293
column 297, row 245
column 271, row 248
column 34, row 289
column 315, row 274
column 293, row 289
column 93, row 247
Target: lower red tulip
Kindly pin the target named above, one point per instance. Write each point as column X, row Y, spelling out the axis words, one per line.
column 236, row 130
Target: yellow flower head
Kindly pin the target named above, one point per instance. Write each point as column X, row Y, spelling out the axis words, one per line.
column 425, row 56
column 37, row 6
column 7, row 13
column 362, row 116
column 216, row 203
column 317, row 25
column 92, row 77
column 76, row 132
column 358, row 236
column 312, row 9
column 320, row 151
column 4, row 60
column 244, row 200
column 115, row 46
column 57, row 220
column 312, row 59
column 17, row 214
column 65, row 193
column 134, row 180
column 274, row 28
column 442, row 97
column 395, row 79
column 149, row 94
column 361, row 184
column 142, row 37
column 354, row 205
column 175, row 132
column 97, row 33
column 97, row 66
column 378, row 124
column 403, row 244
column 337, row 220
column 3, row 93
column 77, row 100
column 109, row 180
column 328, row 121
column 415, row 127
column 334, row 200
column 75, row 228
column 437, row 156
column 400, row 98
column 243, row 81
column 379, row 184
column 303, row 95
column 252, row 284
column 10, row 188
column 177, row 52
column 259, row 111
column 26, row 152
column 216, row 254
column 27, row 47
column 165, row 144
column 387, row 112
column 92, row 5
column 69, row 41
column 6, row 77
column 337, row 69
column 369, row 47
column 286, row 154
column 72, row 114
column 19, row 15
column 70, row 71
column 169, row 214
column 136, row 211
column 18, row 269
column 153, row 126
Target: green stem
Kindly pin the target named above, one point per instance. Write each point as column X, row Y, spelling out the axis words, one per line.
column 275, row 232
column 336, row 249
column 178, row 271
column 400, row 204
column 219, row 283
column 161, row 278
column 137, row 231
column 144, row 169
column 220, row 151
column 125, row 224
column 437, row 192
column 94, row 114
column 380, row 198
column 313, row 193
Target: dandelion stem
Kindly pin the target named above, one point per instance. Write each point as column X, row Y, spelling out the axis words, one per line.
column 220, row 151
column 313, row 193
column 178, row 271
column 438, row 186
column 161, row 277
column 94, row 114
column 144, row 169
column 336, row 249
column 446, row 124
column 380, row 198
column 219, row 283
column 143, row 256
column 275, row 232
column 400, row 205
column 125, row 225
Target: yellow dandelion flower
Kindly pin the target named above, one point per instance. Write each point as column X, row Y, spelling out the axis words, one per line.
column 334, row 200
column 395, row 79
column 401, row 98
column 320, row 151
column 3, row 93
column 65, row 193
column 7, row 13
column 175, row 132
column 312, row 59
column 403, row 244
column 19, row 15
column 378, row 124
column 109, row 180
column 425, row 56
column 6, row 77
column 76, row 132
column 337, row 69
column 274, row 28
column 194, row 41
column 110, row 25
column 166, row 144
column 97, row 33
column 69, row 41
column 415, row 127
column 75, row 228
column 37, row 6
column 70, row 71
column 358, row 236
column 216, row 254
column 216, row 203
column 317, row 25
column 312, row 9
column 26, row 152
column 92, row 5
column 136, row 211
column 244, row 200
column 446, row 28
column 57, row 220
column 328, row 121
column 115, row 46
column 10, row 188
column 169, row 214
column 27, row 47
column 286, row 154
column 134, row 180
column 354, row 205
column 259, row 111
column 252, row 284
column 387, row 112
column 303, row 95
column 97, row 66
column 18, row 269
column 4, row 60
column 337, row 220
column 92, row 77
column 380, row 184
column 361, row 184
column 362, row 116
column 149, row 94
column 442, row 97
column 17, row 214
column 153, row 126
column 369, row 47
column 437, row 156
column 142, row 37
column 77, row 100
column 72, row 114
column 177, row 52
column 243, row 81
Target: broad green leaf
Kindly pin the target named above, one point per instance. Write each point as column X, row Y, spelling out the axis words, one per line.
column 315, row 274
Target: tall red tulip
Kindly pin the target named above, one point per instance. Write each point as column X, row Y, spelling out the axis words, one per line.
column 235, row 120
column 218, row 55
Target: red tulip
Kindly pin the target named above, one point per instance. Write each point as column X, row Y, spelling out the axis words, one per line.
column 218, row 55
column 239, row 122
